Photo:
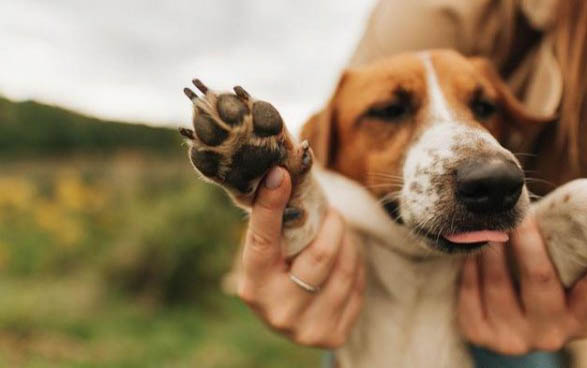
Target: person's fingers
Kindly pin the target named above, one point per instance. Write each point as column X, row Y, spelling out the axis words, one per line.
column 262, row 247
column 337, row 290
column 314, row 264
column 471, row 315
column 499, row 296
column 354, row 304
column 542, row 294
column 322, row 323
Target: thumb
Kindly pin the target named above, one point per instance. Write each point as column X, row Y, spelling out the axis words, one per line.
column 262, row 247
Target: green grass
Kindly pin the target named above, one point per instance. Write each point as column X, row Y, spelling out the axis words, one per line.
column 73, row 323
column 112, row 251
column 116, row 261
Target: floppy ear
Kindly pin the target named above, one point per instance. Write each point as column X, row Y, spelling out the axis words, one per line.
column 512, row 107
column 321, row 129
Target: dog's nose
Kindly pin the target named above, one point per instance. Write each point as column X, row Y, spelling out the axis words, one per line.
column 489, row 185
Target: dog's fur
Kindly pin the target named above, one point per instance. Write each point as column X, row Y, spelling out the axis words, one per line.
column 388, row 143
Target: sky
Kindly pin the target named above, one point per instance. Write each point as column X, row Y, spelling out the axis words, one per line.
column 130, row 59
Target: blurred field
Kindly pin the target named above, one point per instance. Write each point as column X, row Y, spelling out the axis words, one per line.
column 112, row 251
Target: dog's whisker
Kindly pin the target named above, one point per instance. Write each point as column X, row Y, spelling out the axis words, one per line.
column 537, row 180
column 384, row 175
column 384, row 185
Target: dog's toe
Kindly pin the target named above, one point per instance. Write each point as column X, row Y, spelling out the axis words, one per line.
column 208, row 131
column 231, row 109
column 266, row 119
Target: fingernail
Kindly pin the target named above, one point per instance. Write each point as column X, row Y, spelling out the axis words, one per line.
column 274, row 178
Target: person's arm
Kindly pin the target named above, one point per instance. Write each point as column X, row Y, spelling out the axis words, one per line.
column 331, row 262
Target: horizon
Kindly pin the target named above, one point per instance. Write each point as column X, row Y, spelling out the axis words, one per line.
column 129, row 62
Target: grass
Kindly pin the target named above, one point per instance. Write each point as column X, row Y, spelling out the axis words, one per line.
column 74, row 323
column 116, row 261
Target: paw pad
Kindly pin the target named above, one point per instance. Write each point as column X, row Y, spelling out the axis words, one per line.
column 266, row 119
column 231, row 109
column 208, row 130
column 236, row 139
column 207, row 162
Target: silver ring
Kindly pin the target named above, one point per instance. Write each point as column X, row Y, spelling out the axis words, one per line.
column 304, row 285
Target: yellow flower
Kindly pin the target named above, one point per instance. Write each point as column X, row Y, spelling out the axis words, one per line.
column 74, row 194
column 16, row 192
column 53, row 219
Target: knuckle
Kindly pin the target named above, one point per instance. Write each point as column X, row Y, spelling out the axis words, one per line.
column 347, row 272
column 247, row 294
column 466, row 329
column 339, row 294
column 497, row 278
column 472, row 333
column 512, row 345
column 550, row 341
column 360, row 287
column 259, row 241
column 336, row 341
column 308, row 338
column 280, row 319
column 541, row 275
column 319, row 339
column 321, row 255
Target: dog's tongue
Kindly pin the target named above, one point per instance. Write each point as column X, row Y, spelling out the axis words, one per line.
column 478, row 237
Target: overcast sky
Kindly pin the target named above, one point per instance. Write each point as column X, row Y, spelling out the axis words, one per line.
column 130, row 59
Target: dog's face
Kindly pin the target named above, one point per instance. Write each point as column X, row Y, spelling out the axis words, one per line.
column 421, row 132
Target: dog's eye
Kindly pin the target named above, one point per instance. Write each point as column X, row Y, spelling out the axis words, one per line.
column 483, row 109
column 391, row 112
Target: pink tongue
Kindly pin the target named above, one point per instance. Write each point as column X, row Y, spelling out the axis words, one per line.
column 478, row 236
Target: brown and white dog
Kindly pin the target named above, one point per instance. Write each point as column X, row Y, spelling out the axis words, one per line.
column 411, row 152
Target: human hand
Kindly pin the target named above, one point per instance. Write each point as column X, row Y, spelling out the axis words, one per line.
column 331, row 262
column 539, row 315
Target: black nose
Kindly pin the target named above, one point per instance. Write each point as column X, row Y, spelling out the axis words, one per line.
column 489, row 185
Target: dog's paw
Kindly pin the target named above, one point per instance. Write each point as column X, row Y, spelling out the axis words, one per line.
column 562, row 219
column 237, row 139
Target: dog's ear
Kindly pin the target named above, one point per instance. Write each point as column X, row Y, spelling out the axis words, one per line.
column 321, row 129
column 513, row 108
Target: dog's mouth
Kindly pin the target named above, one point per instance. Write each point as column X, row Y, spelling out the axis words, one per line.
column 455, row 242
column 465, row 241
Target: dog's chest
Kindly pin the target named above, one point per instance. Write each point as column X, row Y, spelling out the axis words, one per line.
column 409, row 315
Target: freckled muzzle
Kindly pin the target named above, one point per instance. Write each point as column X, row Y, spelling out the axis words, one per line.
column 470, row 190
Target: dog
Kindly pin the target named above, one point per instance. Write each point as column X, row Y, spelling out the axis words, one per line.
column 411, row 150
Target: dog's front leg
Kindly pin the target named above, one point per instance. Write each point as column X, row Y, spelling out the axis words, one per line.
column 562, row 220
column 236, row 140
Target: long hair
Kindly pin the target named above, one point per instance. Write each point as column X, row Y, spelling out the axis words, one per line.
column 571, row 51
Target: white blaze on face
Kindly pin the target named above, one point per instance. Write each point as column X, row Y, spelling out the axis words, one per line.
column 434, row 151
column 437, row 107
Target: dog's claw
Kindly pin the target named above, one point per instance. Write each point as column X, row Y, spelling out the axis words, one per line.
column 241, row 93
column 199, row 85
column 191, row 95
